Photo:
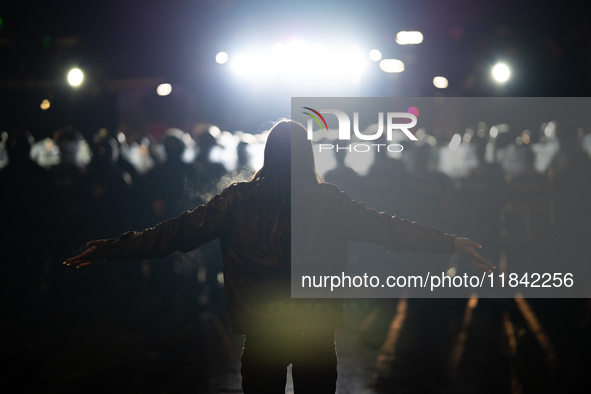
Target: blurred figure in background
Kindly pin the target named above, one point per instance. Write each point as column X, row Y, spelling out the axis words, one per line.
column 68, row 180
column 478, row 199
column 525, row 216
column 428, row 192
column 169, row 188
column 209, row 173
column 27, row 219
column 569, row 175
column 344, row 177
column 108, row 189
column 243, row 168
column 166, row 191
column 384, row 184
column 122, row 159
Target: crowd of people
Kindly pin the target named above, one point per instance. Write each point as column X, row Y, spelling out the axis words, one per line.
column 522, row 195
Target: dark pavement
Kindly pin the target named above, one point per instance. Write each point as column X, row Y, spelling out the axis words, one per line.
column 139, row 345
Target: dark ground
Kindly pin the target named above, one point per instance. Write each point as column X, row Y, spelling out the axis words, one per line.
column 134, row 342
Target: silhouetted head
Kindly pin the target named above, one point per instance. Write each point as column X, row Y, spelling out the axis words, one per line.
column 288, row 157
column 206, row 143
column 566, row 132
column 340, row 156
column 421, row 157
column 174, row 144
column 105, row 149
column 479, row 144
column 68, row 141
column 18, row 145
column 242, row 151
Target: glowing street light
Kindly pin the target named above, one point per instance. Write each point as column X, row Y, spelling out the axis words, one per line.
column 440, row 82
column 409, row 37
column 75, row 77
column 375, row 55
column 392, row 66
column 221, row 57
column 164, row 89
column 501, row 72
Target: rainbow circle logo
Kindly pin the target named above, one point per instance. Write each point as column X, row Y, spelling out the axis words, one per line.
column 315, row 118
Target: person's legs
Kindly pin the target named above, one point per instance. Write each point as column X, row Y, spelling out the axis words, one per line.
column 314, row 360
column 264, row 365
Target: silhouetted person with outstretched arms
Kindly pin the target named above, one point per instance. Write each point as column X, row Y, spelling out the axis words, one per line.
column 257, row 235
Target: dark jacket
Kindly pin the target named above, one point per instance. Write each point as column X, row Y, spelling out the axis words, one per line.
column 257, row 283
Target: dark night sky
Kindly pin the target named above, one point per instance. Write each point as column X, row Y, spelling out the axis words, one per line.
column 547, row 43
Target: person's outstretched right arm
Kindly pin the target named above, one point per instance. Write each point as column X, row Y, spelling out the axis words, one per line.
column 185, row 233
column 368, row 225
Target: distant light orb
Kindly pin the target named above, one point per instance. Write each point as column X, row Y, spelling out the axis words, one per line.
column 164, row 89
column 375, row 55
column 45, row 104
column 391, row 66
column 409, row 37
column 75, row 77
column 501, row 72
column 221, row 57
column 440, row 82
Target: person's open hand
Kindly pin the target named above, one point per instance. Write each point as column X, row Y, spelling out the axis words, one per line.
column 97, row 251
column 465, row 247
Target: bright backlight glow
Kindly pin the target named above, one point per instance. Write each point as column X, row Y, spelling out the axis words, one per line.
column 501, row 72
column 297, row 60
column 75, row 77
column 279, row 48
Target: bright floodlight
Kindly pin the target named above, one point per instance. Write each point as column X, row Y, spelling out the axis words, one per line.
column 75, row 77
column 501, row 72
column 375, row 55
column 298, row 61
column 409, row 37
column 318, row 47
column 392, row 66
column 440, row 82
column 221, row 57
column 164, row 89
column 279, row 48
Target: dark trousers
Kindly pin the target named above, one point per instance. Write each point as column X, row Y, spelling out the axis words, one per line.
column 265, row 359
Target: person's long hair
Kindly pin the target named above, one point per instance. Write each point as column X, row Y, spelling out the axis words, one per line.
column 287, row 170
